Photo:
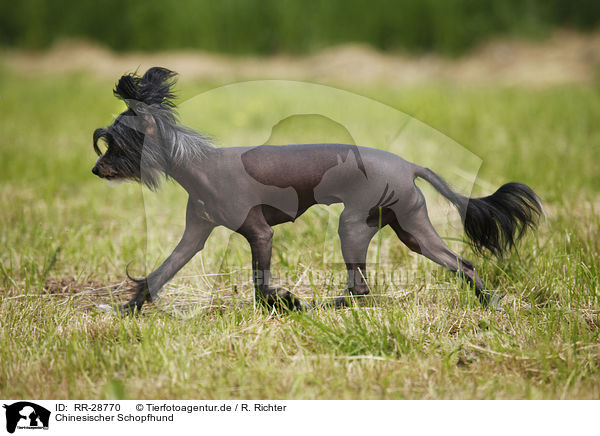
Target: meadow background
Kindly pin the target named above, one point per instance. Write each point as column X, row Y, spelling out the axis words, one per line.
column 529, row 108
column 292, row 26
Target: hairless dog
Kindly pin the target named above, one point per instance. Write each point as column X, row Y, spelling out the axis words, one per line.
column 251, row 189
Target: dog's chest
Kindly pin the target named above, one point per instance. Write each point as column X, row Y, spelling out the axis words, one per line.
column 202, row 212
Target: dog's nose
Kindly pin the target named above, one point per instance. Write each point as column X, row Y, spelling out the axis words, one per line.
column 95, row 170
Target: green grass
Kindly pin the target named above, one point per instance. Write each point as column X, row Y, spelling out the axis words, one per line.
column 66, row 239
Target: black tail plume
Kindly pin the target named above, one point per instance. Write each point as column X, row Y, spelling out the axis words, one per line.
column 495, row 222
column 498, row 221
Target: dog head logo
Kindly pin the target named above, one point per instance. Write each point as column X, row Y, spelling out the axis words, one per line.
column 26, row 415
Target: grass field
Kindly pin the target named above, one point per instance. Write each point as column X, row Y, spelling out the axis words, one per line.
column 67, row 237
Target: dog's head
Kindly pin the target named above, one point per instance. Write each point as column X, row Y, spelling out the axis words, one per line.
column 134, row 143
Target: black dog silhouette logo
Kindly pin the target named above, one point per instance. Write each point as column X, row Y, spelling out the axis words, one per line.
column 26, row 415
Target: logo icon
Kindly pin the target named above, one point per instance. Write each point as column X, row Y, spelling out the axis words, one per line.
column 26, row 415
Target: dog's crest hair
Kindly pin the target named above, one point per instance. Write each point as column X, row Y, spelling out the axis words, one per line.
column 155, row 87
column 150, row 100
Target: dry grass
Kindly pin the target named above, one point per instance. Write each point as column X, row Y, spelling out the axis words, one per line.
column 565, row 57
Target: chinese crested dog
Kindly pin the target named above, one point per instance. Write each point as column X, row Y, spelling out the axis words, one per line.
column 251, row 189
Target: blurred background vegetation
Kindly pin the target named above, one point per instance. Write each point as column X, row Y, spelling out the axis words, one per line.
column 287, row 26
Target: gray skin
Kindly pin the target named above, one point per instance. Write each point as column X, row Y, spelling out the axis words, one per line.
column 251, row 189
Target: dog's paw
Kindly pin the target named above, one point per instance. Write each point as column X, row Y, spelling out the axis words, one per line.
column 106, row 308
column 347, row 300
column 337, row 302
column 282, row 299
column 119, row 310
column 286, row 300
column 492, row 300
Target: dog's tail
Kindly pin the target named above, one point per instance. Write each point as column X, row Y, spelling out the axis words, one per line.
column 495, row 222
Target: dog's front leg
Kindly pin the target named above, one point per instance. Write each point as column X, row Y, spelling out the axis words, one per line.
column 259, row 235
column 195, row 235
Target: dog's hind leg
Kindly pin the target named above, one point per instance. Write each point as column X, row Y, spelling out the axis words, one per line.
column 195, row 235
column 355, row 235
column 416, row 231
column 259, row 235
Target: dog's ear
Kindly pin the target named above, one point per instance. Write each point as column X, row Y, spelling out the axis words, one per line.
column 154, row 87
column 144, row 120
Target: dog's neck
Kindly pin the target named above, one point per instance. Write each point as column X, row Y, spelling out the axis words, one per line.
column 193, row 176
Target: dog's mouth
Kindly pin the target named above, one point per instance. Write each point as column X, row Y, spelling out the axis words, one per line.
column 113, row 178
column 109, row 176
column 114, row 181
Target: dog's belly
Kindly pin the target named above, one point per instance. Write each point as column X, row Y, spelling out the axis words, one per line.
column 274, row 215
